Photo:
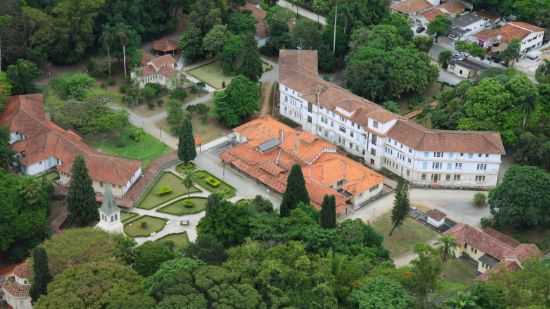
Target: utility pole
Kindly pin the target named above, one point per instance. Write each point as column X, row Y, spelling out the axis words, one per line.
column 334, row 39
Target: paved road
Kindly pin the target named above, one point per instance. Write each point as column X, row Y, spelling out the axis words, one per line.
column 457, row 204
column 302, row 12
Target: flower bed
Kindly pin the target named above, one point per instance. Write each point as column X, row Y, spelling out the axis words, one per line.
column 186, row 206
column 144, row 226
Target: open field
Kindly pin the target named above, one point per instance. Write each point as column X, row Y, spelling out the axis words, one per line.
column 212, row 74
column 405, row 237
column 146, row 149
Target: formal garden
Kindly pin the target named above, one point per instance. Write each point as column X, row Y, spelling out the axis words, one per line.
column 168, row 201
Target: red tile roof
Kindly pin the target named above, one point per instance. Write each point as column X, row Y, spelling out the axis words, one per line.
column 321, row 165
column 509, row 32
column 298, row 70
column 23, row 270
column 497, row 246
column 44, row 139
column 165, row 45
column 432, row 14
column 452, row 7
column 411, row 6
column 436, row 214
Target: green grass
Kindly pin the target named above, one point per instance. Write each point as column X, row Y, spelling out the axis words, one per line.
column 152, row 199
column 146, row 149
column 201, row 178
column 51, row 176
column 405, row 237
column 180, row 240
column 212, row 74
column 459, row 271
column 127, row 216
column 135, row 228
column 180, row 207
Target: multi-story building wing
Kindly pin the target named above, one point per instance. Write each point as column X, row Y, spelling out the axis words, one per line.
column 382, row 139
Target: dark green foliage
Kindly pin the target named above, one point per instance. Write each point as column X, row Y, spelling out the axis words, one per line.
column 401, row 205
column 381, row 292
column 225, row 222
column 439, row 27
column 73, row 86
column 186, row 143
column 191, row 43
column 242, row 23
column 23, row 214
column 444, row 58
column 41, row 273
column 426, row 269
column 6, row 153
column 470, row 48
column 423, row 43
column 543, row 72
column 237, row 102
column 251, row 65
column 296, row 191
column 22, row 75
column 149, row 256
column 208, row 249
column 512, row 52
column 83, row 209
column 175, row 115
column 328, row 212
column 522, row 198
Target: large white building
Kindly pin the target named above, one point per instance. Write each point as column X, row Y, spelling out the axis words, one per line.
column 382, row 139
column 530, row 36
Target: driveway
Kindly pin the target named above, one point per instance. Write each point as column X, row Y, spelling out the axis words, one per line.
column 457, row 204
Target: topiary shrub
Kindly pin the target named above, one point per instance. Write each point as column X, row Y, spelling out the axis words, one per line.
column 213, row 182
column 164, row 190
column 480, row 200
column 188, row 204
column 144, row 225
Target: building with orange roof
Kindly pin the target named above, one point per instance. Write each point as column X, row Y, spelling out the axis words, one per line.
column 16, row 287
column 268, row 149
column 156, row 70
column 529, row 36
column 165, row 46
column 382, row 139
column 492, row 250
column 41, row 145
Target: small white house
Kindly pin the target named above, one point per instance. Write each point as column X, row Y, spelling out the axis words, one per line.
column 109, row 214
column 436, row 217
column 160, row 70
column 16, row 287
column 465, row 68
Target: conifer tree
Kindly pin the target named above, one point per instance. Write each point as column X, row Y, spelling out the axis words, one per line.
column 81, row 200
column 401, row 205
column 41, row 273
column 296, row 191
column 328, row 212
column 186, row 144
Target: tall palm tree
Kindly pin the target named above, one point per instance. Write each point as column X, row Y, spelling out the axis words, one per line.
column 107, row 38
column 446, row 245
column 528, row 105
column 4, row 22
column 124, row 38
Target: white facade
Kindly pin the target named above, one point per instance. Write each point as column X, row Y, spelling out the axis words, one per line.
column 531, row 41
column 425, row 168
column 15, row 301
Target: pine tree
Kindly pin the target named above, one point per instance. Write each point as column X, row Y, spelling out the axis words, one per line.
column 41, row 273
column 328, row 212
column 186, row 145
column 296, row 191
column 81, row 201
column 401, row 205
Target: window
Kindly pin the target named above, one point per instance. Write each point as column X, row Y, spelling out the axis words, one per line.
column 408, row 173
column 448, row 177
column 456, row 177
column 309, row 119
column 423, row 176
column 373, row 151
column 371, row 161
column 449, row 166
column 426, row 154
column 425, row 165
column 486, row 155
column 309, row 107
column 374, row 139
column 351, row 133
column 458, row 166
column 462, row 154
column 438, row 154
column 481, row 167
column 375, row 124
column 342, row 129
column 479, row 155
column 480, row 178
column 470, row 155
column 436, row 165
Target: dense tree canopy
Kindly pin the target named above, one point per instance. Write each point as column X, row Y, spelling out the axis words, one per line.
column 237, row 102
column 522, row 199
column 23, row 214
column 22, row 75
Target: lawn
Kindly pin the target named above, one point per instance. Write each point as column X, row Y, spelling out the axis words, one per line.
column 405, row 237
column 167, row 188
column 212, row 74
column 184, row 167
column 187, row 206
column 51, row 176
column 144, row 226
column 180, row 240
column 127, row 216
column 145, row 111
column 146, row 149
column 459, row 270
column 213, row 184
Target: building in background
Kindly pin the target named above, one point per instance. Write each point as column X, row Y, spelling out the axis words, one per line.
column 530, row 36
column 383, row 140
column 16, row 287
